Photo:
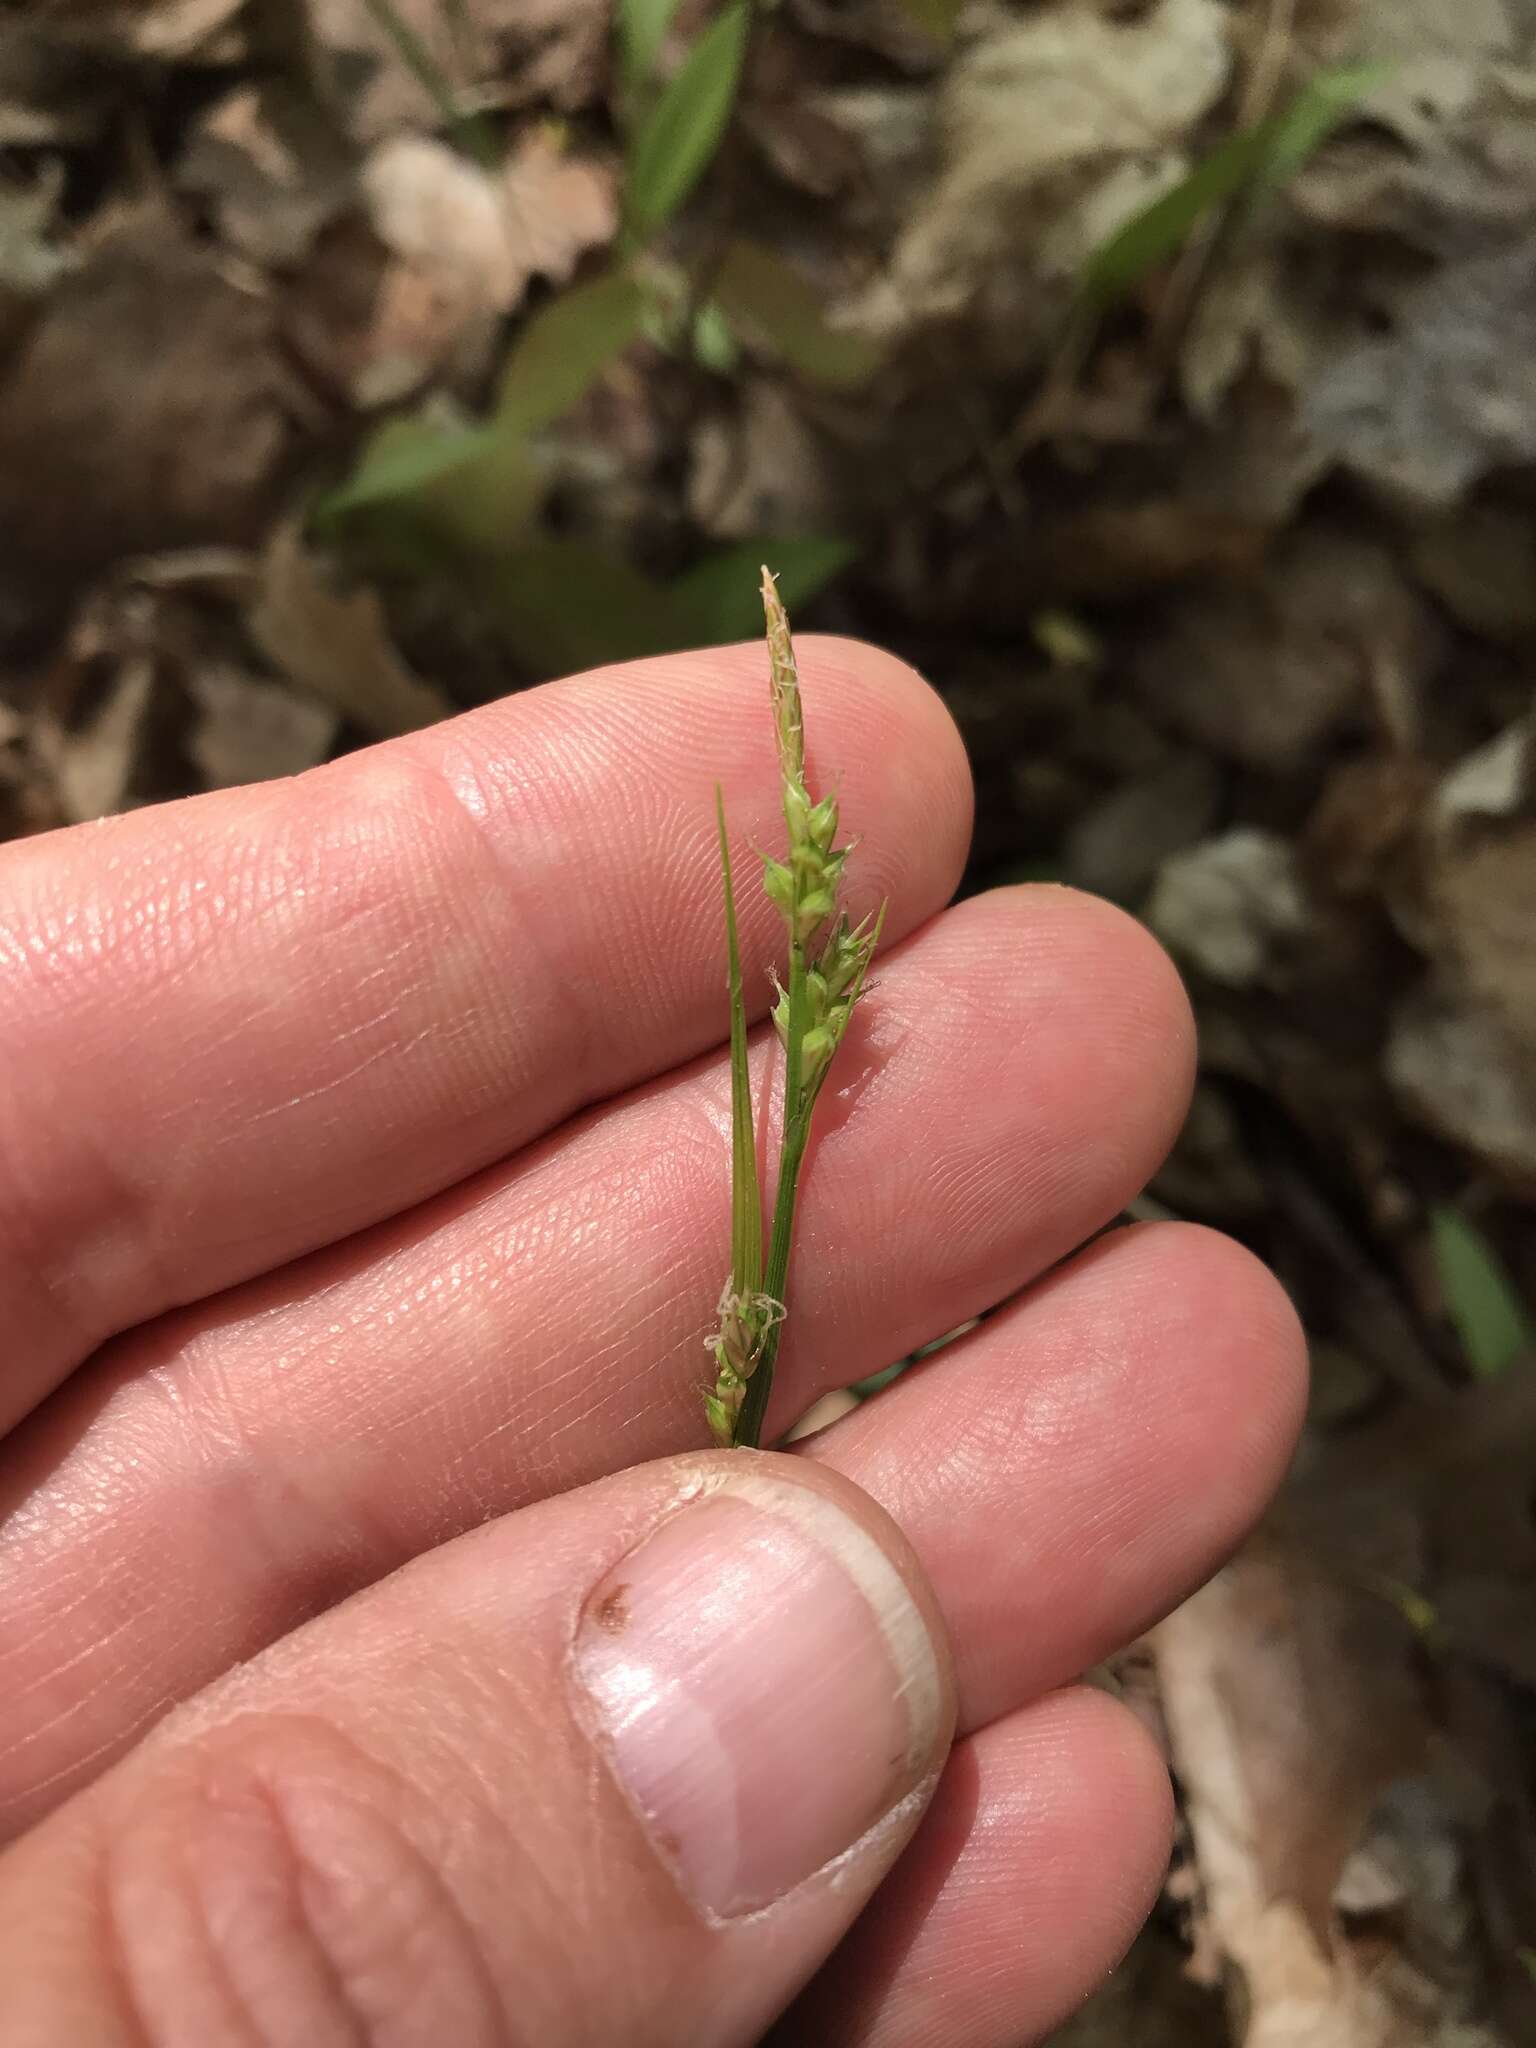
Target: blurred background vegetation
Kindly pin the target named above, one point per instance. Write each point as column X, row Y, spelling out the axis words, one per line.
column 1160, row 377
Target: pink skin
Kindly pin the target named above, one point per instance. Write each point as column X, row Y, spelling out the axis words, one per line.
column 297, row 1063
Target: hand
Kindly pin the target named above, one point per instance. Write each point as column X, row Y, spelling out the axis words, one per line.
column 380, row 1661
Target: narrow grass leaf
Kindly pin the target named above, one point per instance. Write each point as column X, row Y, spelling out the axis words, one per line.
column 746, row 1190
column 675, row 142
column 773, row 308
column 1480, row 1297
column 471, row 135
column 1326, row 100
column 565, row 348
column 1258, row 160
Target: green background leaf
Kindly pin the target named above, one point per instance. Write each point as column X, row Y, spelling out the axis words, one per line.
column 773, row 307
column 641, row 27
column 1259, row 160
column 674, row 144
column 565, row 348
column 1480, row 1298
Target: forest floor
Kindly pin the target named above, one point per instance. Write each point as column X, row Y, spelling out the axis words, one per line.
column 1160, row 377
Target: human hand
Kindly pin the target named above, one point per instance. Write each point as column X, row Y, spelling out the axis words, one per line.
column 364, row 1148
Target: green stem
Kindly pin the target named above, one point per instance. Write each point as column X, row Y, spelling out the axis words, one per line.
column 797, row 1131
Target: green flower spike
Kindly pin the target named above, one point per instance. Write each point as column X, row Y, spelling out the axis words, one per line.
column 811, row 1015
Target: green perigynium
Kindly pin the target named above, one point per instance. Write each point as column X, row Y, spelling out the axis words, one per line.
column 827, row 965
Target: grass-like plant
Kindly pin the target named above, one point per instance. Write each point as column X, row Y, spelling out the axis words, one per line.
column 828, row 962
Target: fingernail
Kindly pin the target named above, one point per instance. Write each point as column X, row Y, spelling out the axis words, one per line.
column 765, row 1685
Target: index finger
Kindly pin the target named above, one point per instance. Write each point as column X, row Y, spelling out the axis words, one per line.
column 243, row 1026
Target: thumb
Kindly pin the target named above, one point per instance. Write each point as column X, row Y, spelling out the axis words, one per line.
column 623, row 1766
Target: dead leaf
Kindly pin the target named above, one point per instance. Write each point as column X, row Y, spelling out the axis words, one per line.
column 1234, row 907
column 273, row 169
column 1459, row 1070
column 50, row 92
column 167, row 30
column 1289, row 1710
column 251, row 730
column 511, row 52
column 1265, row 673
column 1448, row 395
column 337, row 644
column 1024, row 196
column 179, row 433
column 1116, row 847
column 1480, row 561
column 759, row 468
column 558, row 205
column 1481, row 876
column 464, row 244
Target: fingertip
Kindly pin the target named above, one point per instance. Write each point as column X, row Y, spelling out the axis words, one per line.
column 900, row 734
column 1043, row 959
column 1127, row 1797
column 1253, row 1391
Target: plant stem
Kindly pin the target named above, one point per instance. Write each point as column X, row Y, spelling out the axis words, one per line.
column 797, row 1131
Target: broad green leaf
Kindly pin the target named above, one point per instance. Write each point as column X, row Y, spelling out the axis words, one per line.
column 565, row 347
column 746, row 1189
column 1480, row 1297
column 568, row 604
column 641, row 27
column 772, row 307
column 401, row 458
column 1259, row 160
column 673, row 145
column 431, row 500
column 717, row 599
column 938, row 17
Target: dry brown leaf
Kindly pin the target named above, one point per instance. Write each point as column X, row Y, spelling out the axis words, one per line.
column 178, row 433
column 557, row 206
column 1053, row 130
column 1458, row 1070
column 463, row 246
column 1233, row 907
column 272, row 168
column 50, row 93
column 249, row 729
column 1480, row 861
column 1448, row 394
column 1480, row 561
column 759, row 468
column 1265, row 673
column 1289, row 1710
column 337, row 644
column 515, row 52
column 164, row 29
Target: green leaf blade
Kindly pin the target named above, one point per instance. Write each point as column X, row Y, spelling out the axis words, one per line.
column 770, row 305
column 640, row 27
column 565, row 348
column 677, row 139
column 1494, row 1325
column 405, row 456
column 1257, row 161
column 746, row 1189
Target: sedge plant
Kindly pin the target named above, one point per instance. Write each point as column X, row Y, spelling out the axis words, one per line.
column 828, row 961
